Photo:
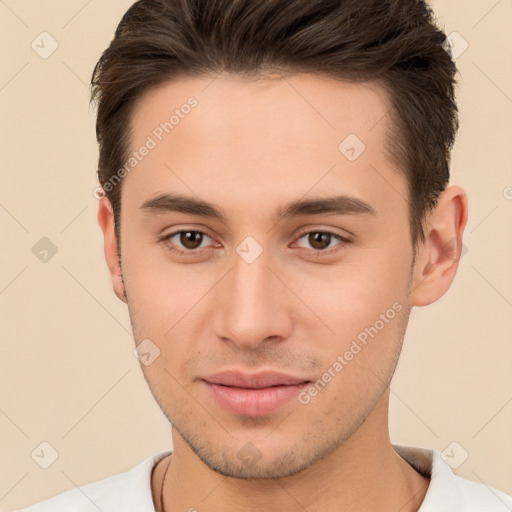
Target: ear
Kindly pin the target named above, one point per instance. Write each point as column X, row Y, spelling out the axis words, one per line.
column 437, row 259
column 106, row 222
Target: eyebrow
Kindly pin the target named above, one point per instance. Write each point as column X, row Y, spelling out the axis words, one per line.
column 335, row 205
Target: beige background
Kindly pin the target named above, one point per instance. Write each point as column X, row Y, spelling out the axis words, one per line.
column 69, row 376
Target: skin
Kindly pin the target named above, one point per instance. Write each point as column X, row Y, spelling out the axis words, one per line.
column 250, row 147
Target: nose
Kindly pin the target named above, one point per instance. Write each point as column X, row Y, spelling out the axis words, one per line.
column 253, row 304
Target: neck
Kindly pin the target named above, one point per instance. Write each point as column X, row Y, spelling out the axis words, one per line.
column 363, row 473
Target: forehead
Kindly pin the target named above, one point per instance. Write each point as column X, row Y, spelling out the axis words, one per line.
column 297, row 107
column 244, row 138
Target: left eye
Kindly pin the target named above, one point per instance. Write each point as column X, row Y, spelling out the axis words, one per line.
column 321, row 240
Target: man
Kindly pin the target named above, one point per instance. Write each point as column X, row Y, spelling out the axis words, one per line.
column 275, row 201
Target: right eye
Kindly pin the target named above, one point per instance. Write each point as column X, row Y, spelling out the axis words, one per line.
column 185, row 240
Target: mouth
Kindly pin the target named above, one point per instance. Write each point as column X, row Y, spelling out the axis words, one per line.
column 253, row 394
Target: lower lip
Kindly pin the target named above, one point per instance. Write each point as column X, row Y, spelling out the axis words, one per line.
column 253, row 402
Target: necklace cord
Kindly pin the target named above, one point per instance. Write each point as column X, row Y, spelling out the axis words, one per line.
column 162, row 509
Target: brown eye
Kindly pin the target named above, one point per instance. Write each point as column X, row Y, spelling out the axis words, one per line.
column 185, row 240
column 191, row 239
column 321, row 240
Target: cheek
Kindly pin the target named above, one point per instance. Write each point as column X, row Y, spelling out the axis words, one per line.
column 166, row 305
column 160, row 291
column 363, row 308
column 359, row 359
column 352, row 295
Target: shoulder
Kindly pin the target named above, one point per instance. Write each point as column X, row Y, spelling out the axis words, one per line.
column 450, row 492
column 478, row 496
column 123, row 492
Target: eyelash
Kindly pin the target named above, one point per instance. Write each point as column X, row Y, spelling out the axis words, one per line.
column 194, row 252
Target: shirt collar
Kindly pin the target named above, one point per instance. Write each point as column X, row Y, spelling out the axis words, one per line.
column 443, row 493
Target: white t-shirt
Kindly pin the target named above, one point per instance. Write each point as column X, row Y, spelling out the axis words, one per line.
column 131, row 491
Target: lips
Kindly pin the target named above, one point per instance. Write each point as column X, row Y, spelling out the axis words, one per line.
column 254, row 381
column 253, row 394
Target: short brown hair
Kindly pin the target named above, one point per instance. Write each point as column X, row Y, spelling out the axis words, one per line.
column 395, row 42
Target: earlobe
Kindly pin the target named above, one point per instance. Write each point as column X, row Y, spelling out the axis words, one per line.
column 106, row 222
column 438, row 257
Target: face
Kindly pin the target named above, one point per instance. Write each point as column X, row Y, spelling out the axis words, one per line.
column 317, row 291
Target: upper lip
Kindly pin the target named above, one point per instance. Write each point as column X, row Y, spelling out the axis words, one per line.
column 258, row 380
